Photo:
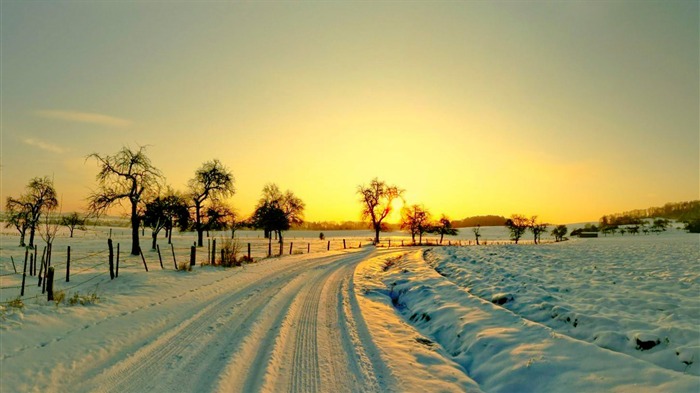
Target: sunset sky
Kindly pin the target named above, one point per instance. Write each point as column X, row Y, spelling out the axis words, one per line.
column 566, row 110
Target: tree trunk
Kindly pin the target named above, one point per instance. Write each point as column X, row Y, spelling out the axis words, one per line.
column 155, row 237
column 32, row 230
column 441, row 235
column 198, row 226
column 135, row 246
column 377, row 227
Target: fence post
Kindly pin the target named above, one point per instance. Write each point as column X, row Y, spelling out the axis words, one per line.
column 24, row 271
column 159, row 256
column 172, row 248
column 213, row 252
column 193, row 255
column 111, row 259
column 344, row 247
column 49, row 284
column 68, row 265
column 41, row 267
column 308, row 248
column 401, row 243
column 248, row 251
column 143, row 259
column 329, row 246
column 116, row 270
column 290, row 247
column 35, row 260
column 389, row 246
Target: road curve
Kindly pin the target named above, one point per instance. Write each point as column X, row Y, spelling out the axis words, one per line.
column 295, row 328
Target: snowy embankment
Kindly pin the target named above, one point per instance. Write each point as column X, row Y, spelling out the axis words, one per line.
column 500, row 350
column 295, row 323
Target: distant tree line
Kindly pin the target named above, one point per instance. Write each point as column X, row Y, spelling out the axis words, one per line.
column 679, row 211
column 484, row 221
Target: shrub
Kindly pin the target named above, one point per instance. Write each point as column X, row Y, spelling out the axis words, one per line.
column 184, row 267
column 16, row 303
column 229, row 252
column 59, row 297
column 78, row 298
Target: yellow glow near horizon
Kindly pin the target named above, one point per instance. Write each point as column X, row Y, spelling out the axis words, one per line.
column 473, row 108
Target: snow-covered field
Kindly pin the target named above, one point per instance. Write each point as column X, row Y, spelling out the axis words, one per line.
column 366, row 319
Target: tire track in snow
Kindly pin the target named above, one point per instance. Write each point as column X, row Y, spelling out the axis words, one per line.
column 218, row 318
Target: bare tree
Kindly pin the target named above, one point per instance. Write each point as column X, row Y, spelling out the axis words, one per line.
column 73, row 221
column 444, row 227
column 477, row 233
column 376, row 199
column 127, row 175
column 291, row 205
column 537, row 228
column 39, row 198
column 212, row 181
column 415, row 220
column 517, row 225
column 17, row 215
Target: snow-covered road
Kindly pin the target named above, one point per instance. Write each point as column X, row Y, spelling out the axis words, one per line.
column 290, row 324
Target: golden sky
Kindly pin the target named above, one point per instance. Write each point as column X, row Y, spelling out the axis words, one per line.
column 565, row 110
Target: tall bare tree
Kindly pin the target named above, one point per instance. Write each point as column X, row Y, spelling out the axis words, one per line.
column 537, row 228
column 129, row 176
column 376, row 199
column 415, row 220
column 212, row 181
column 39, row 198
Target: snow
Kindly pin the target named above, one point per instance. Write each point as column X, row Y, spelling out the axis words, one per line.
column 507, row 350
column 361, row 319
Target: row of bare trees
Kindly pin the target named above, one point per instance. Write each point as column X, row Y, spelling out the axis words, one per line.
column 128, row 177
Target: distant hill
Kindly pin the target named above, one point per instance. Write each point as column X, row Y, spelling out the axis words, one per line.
column 679, row 211
column 484, row 221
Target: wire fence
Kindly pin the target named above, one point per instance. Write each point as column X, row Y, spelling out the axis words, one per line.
column 89, row 261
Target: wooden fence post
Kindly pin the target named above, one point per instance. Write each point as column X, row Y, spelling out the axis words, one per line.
column 143, row 259
column 35, row 260
column 111, row 259
column 222, row 256
column 116, row 270
column 308, row 248
column 68, row 265
column 389, row 246
column 329, row 246
column 344, row 247
column 248, row 251
column 213, row 252
column 49, row 284
column 160, row 259
column 193, row 255
column 41, row 267
column 172, row 248
column 24, row 271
